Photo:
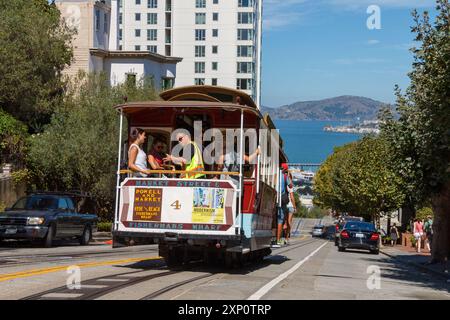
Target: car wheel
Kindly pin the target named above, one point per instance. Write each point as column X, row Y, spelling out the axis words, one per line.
column 375, row 251
column 48, row 239
column 341, row 249
column 86, row 237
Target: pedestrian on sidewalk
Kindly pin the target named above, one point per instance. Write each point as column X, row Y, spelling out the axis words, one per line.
column 394, row 235
column 428, row 228
column 418, row 233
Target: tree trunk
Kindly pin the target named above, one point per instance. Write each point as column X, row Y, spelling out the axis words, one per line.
column 441, row 225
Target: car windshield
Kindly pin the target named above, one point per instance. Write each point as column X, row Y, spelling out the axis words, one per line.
column 363, row 226
column 36, row 202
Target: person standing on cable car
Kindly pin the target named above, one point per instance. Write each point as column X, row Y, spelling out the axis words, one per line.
column 192, row 157
column 137, row 159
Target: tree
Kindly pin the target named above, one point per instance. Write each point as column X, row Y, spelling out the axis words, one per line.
column 13, row 134
column 35, row 47
column 420, row 138
column 356, row 180
column 78, row 150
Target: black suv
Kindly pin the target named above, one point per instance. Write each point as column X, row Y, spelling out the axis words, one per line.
column 49, row 215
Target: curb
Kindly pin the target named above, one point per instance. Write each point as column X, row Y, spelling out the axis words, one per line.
column 419, row 266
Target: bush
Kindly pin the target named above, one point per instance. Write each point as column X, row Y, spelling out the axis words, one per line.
column 104, row 226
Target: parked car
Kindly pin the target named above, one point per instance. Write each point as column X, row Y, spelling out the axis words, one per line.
column 359, row 235
column 317, row 230
column 47, row 216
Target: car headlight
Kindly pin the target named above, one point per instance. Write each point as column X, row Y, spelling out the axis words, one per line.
column 35, row 221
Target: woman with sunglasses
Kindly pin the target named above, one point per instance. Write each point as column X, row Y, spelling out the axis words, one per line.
column 156, row 156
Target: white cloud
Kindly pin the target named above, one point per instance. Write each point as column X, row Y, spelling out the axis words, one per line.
column 348, row 61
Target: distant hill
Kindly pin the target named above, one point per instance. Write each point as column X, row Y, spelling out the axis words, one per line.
column 343, row 108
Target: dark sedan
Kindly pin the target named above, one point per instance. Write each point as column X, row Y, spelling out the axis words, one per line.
column 48, row 216
column 359, row 235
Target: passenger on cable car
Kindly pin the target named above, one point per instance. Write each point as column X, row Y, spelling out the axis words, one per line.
column 192, row 157
column 137, row 159
column 283, row 210
column 157, row 155
column 229, row 162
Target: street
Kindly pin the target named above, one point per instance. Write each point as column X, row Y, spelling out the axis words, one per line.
column 308, row 268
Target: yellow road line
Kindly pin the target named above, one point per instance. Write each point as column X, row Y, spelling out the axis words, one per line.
column 35, row 272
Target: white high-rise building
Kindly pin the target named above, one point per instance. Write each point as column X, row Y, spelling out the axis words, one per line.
column 219, row 40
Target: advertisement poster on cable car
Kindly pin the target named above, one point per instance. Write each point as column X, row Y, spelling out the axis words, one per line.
column 177, row 204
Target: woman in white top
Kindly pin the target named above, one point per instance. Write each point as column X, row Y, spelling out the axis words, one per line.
column 137, row 159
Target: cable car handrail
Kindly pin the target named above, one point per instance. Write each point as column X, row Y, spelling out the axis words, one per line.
column 185, row 172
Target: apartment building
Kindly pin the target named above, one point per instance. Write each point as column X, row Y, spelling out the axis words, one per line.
column 219, row 40
column 95, row 46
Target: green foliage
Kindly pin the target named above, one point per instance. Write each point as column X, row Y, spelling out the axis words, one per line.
column 423, row 213
column 2, row 206
column 104, row 226
column 420, row 139
column 20, row 176
column 35, row 47
column 78, row 150
column 13, row 134
column 356, row 180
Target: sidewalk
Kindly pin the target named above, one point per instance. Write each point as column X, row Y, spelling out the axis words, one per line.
column 418, row 260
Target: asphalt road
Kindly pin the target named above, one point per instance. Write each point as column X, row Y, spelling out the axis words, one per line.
column 306, row 269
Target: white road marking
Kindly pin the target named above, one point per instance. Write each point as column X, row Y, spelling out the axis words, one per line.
column 113, row 280
column 261, row 292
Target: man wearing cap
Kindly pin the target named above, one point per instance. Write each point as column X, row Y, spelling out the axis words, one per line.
column 283, row 210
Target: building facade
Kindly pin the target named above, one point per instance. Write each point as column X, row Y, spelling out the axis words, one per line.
column 219, row 40
column 95, row 46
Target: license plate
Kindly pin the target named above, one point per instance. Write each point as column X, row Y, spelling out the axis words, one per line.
column 360, row 235
column 11, row 231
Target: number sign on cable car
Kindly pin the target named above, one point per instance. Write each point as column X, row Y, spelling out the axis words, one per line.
column 168, row 204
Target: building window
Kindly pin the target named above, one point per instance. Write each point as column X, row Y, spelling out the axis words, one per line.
column 215, row 1
column 200, row 18
column 215, row 66
column 200, row 34
column 97, row 20
column 215, row 49
column 152, row 49
column 215, row 16
column 137, row 48
column 152, row 34
column 137, row 16
column 244, row 84
column 138, row 1
column 200, row 3
column 246, row 3
column 244, row 67
column 120, row 48
column 199, row 67
column 200, row 51
column 245, row 17
column 199, row 81
column 152, row 18
column 245, row 51
column 214, row 82
column 120, row 34
column 120, row 3
column 215, row 33
column 105, row 23
column 120, row 18
column 245, row 34
column 167, row 83
column 137, row 33
column 152, row 3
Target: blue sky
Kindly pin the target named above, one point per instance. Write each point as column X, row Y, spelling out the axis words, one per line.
column 316, row 49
